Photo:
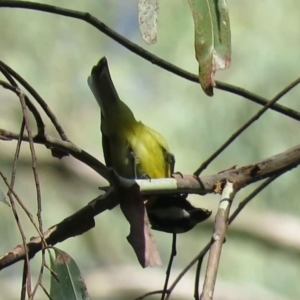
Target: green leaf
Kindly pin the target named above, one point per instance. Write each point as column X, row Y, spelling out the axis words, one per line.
column 212, row 39
column 67, row 283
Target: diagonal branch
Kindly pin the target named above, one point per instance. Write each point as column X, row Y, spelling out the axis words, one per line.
column 68, row 147
column 14, row 88
column 86, row 17
column 39, row 100
column 76, row 224
column 246, row 125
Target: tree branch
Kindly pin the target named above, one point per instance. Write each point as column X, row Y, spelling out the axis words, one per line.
column 246, row 125
column 83, row 220
column 232, row 217
column 218, row 239
column 88, row 18
column 191, row 184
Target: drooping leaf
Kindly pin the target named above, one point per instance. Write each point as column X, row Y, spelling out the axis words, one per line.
column 68, row 282
column 148, row 14
column 212, row 39
column 140, row 237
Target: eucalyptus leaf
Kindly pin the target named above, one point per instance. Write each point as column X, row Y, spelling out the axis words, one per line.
column 67, row 283
column 212, row 39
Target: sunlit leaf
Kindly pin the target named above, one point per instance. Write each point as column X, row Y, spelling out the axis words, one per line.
column 67, row 283
column 148, row 14
column 212, row 39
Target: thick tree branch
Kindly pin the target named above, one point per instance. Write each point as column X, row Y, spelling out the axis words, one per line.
column 76, row 224
column 191, row 184
column 83, row 220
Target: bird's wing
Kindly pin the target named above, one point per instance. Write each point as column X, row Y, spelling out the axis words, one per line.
column 169, row 159
column 151, row 150
column 106, row 149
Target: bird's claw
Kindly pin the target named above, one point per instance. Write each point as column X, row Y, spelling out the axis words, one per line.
column 178, row 173
column 146, row 176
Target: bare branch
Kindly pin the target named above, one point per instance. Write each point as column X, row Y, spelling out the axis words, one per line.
column 14, row 88
column 68, row 147
column 246, row 125
column 76, row 224
column 218, row 239
column 191, row 184
column 40, row 101
column 144, row 53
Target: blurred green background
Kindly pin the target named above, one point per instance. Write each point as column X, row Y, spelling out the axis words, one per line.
column 261, row 258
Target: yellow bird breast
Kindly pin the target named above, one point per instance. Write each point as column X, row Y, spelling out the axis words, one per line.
column 148, row 147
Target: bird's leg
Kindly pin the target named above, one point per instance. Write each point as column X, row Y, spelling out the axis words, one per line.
column 134, row 160
column 168, row 272
column 170, row 158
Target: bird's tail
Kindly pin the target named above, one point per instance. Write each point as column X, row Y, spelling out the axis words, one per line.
column 103, row 88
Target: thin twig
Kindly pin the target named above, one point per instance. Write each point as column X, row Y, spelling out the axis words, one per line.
column 40, row 101
column 45, row 291
column 68, row 147
column 169, row 268
column 27, row 212
column 197, row 278
column 246, row 125
column 24, row 280
column 15, row 89
column 40, row 278
column 33, row 159
column 37, row 183
column 257, row 99
column 27, row 282
column 149, row 294
column 189, row 265
column 243, row 203
column 25, row 123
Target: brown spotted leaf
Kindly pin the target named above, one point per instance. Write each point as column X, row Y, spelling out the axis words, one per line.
column 67, row 282
column 148, row 15
column 212, row 39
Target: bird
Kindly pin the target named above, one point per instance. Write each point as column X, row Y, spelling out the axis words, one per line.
column 136, row 151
